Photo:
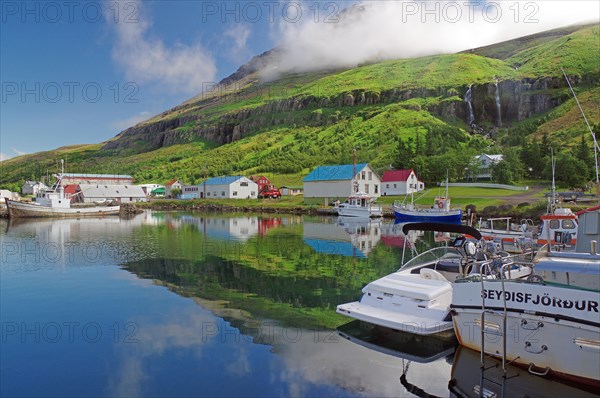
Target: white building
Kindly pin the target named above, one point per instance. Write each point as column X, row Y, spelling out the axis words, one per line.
column 190, row 192
column 230, row 187
column 32, row 187
column 484, row 164
column 400, row 182
column 171, row 185
column 89, row 193
column 338, row 182
column 5, row 193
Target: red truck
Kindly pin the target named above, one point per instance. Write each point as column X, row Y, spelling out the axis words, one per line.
column 271, row 193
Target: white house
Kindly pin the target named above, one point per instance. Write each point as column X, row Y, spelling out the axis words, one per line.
column 171, row 185
column 230, row 187
column 338, row 182
column 32, row 187
column 88, row 193
column 289, row 190
column 400, row 182
column 484, row 165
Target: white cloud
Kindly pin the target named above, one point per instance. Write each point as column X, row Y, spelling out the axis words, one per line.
column 15, row 152
column 376, row 30
column 18, row 153
column 238, row 34
column 4, row 157
column 131, row 121
column 181, row 68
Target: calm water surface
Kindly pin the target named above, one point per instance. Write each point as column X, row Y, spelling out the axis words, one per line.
column 176, row 304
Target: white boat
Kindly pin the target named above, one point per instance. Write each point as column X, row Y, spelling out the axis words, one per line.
column 54, row 203
column 417, row 297
column 440, row 212
column 360, row 204
column 548, row 322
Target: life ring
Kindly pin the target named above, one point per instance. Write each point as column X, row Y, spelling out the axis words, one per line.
column 441, row 205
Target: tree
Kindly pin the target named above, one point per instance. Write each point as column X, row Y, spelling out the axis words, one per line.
column 583, row 153
column 175, row 192
column 502, row 172
column 569, row 170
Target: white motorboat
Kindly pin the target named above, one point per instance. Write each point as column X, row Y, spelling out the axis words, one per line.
column 360, row 204
column 548, row 322
column 417, row 297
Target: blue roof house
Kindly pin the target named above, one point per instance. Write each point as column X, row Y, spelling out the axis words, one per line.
column 339, row 182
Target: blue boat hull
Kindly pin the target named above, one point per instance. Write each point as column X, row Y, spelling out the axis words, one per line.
column 452, row 217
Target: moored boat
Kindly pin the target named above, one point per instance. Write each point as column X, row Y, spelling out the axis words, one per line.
column 53, row 203
column 548, row 322
column 417, row 297
column 360, row 204
column 440, row 212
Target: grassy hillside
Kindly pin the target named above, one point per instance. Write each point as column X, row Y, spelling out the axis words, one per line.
column 424, row 102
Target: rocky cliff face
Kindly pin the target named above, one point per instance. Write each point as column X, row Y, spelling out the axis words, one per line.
column 492, row 104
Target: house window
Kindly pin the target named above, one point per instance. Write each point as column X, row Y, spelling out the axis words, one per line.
column 370, row 175
column 222, row 193
column 395, row 186
column 243, row 184
column 253, row 193
column 234, row 193
column 387, row 185
column 376, row 188
column 366, row 188
column 362, row 175
column 208, row 194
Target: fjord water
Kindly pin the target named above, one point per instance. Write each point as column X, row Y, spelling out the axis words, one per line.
column 173, row 304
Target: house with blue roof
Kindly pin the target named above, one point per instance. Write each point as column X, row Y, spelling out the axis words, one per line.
column 228, row 187
column 340, row 181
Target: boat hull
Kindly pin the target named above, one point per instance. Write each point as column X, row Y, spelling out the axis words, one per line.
column 541, row 334
column 448, row 217
column 359, row 212
column 26, row 210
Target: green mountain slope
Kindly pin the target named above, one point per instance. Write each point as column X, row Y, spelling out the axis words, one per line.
column 286, row 126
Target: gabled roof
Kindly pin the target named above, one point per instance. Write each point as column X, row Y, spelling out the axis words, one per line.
column 334, row 173
column 396, row 175
column 225, row 180
column 169, row 183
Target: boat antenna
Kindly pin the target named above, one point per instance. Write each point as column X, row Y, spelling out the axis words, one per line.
column 596, row 147
column 552, row 205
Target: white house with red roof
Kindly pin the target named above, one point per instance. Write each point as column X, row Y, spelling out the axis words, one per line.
column 171, row 185
column 400, row 182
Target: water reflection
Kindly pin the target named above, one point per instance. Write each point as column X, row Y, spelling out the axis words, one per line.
column 344, row 236
column 194, row 305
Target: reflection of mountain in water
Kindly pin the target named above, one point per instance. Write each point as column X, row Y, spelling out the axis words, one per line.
column 267, row 294
column 349, row 236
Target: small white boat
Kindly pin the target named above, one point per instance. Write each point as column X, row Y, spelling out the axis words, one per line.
column 417, row 297
column 359, row 204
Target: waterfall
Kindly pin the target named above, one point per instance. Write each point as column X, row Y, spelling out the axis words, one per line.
column 467, row 99
column 498, row 109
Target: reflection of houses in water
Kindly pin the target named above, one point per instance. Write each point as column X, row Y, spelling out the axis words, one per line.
column 236, row 228
column 349, row 236
column 392, row 235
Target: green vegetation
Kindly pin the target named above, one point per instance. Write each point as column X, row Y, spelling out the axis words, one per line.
column 404, row 113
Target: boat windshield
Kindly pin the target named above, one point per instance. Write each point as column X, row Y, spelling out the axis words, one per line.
column 432, row 256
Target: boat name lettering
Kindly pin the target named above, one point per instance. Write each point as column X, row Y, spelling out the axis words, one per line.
column 545, row 300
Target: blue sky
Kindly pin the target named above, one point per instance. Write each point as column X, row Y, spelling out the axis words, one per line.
column 81, row 71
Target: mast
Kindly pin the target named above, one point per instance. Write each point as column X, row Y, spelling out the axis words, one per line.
column 551, row 209
column 596, row 147
column 354, row 171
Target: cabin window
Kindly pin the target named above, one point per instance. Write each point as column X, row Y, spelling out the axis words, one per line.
column 568, row 224
column 554, row 224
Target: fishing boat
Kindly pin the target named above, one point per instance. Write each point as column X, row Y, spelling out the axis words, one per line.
column 548, row 322
column 360, row 204
column 440, row 212
column 54, row 203
column 417, row 297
